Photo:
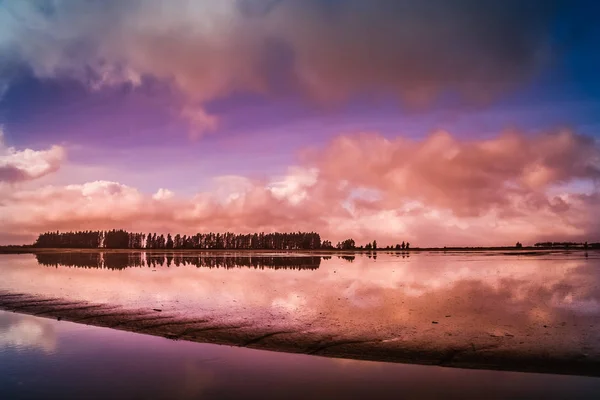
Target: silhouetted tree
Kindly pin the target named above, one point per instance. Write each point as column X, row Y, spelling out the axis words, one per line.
column 82, row 239
column 347, row 244
column 120, row 239
column 326, row 245
column 116, row 239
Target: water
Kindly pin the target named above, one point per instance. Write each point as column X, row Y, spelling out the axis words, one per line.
column 390, row 287
column 509, row 310
column 43, row 358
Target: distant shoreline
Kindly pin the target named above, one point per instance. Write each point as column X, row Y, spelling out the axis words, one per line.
column 522, row 250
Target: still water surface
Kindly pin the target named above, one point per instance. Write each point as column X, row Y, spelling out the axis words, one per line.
column 518, row 310
column 351, row 290
column 45, row 359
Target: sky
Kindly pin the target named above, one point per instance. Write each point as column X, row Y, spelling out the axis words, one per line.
column 441, row 123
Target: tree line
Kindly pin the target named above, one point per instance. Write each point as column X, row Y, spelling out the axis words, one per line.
column 350, row 244
column 121, row 239
column 118, row 261
column 584, row 245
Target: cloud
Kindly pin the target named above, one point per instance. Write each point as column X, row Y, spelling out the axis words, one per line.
column 415, row 49
column 23, row 165
column 200, row 121
column 468, row 177
column 163, row 194
column 327, row 50
column 439, row 191
column 293, row 187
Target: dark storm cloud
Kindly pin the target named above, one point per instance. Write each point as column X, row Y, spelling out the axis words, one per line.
column 415, row 49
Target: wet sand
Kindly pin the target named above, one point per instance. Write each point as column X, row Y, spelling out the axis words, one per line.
column 546, row 348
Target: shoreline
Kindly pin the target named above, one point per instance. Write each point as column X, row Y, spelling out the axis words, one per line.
column 325, row 252
column 492, row 353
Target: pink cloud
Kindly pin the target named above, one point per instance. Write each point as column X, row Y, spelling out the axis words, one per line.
column 28, row 164
column 468, row 177
column 432, row 192
column 163, row 194
column 199, row 120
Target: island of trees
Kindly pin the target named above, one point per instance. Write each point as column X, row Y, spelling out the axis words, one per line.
column 121, row 239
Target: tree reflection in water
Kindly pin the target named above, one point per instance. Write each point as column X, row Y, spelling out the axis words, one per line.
column 117, row 261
